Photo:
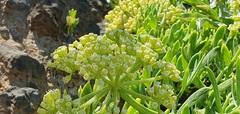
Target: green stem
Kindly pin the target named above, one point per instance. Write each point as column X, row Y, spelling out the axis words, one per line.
column 146, row 75
column 117, row 79
column 221, row 74
column 135, row 82
column 96, row 93
column 135, row 94
column 110, row 78
column 115, row 98
column 89, row 102
column 230, row 107
column 107, row 81
column 134, row 104
column 94, row 98
column 238, row 80
column 137, row 64
column 226, row 103
column 121, row 80
column 107, row 99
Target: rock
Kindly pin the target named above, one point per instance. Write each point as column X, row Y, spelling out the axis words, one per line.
column 4, row 32
column 20, row 62
column 43, row 21
column 48, row 17
column 17, row 100
column 17, row 5
column 21, row 69
column 14, row 18
column 30, row 30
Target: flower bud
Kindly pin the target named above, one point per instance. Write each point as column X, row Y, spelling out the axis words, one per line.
column 155, row 105
column 150, row 91
column 104, row 72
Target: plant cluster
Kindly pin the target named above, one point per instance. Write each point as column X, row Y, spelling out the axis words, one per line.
column 125, row 15
column 113, row 59
column 71, row 20
column 157, row 56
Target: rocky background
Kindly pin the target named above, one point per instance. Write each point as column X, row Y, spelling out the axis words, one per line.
column 30, row 30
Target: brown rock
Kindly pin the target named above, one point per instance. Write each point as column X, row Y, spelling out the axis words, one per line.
column 43, row 21
column 20, row 69
column 17, row 100
column 32, row 30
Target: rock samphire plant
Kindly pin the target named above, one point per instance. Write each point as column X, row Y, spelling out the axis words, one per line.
column 72, row 21
column 123, row 67
column 132, row 66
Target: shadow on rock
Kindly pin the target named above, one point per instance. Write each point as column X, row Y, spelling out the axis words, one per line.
column 17, row 100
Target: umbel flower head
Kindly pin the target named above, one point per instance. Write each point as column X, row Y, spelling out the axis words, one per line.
column 114, row 58
column 126, row 15
column 163, row 94
column 53, row 103
column 111, row 55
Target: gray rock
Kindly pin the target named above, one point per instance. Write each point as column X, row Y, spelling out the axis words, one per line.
column 17, row 5
column 20, row 62
column 14, row 17
column 21, row 100
column 24, row 71
column 48, row 17
column 43, row 21
column 27, row 82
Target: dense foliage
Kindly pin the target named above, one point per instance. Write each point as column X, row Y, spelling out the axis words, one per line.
column 157, row 56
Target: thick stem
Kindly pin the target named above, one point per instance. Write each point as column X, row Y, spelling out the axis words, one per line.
column 135, row 94
column 136, row 105
column 135, row 82
column 89, row 102
column 116, row 81
column 96, row 93
column 115, row 96
column 94, row 97
column 107, row 81
column 137, row 64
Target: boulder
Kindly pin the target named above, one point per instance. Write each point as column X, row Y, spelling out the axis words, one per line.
column 16, row 100
column 20, row 69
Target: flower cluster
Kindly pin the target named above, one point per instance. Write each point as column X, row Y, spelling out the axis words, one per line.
column 125, row 41
column 235, row 5
column 53, row 103
column 48, row 103
column 123, row 16
column 234, row 28
column 103, row 57
column 163, row 95
column 153, row 43
column 110, row 55
column 112, row 58
column 170, row 14
column 65, row 59
column 169, row 71
column 106, row 65
column 128, row 12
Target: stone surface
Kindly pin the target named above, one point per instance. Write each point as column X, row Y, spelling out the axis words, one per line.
column 43, row 21
column 30, row 30
column 17, row 100
column 30, row 22
column 21, row 70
